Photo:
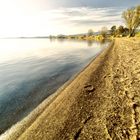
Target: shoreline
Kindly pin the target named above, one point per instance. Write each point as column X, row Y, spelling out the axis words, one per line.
column 89, row 105
column 33, row 115
column 69, row 61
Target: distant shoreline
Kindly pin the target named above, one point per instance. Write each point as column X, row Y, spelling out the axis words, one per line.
column 24, row 37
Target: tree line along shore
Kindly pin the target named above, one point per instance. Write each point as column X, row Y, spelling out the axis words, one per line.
column 131, row 17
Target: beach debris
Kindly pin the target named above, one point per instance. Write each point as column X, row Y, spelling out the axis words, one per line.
column 89, row 88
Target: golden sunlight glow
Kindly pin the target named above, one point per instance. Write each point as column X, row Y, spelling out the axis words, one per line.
column 25, row 18
column 21, row 18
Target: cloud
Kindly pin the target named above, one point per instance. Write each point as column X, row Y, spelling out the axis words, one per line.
column 93, row 3
column 84, row 16
column 60, row 21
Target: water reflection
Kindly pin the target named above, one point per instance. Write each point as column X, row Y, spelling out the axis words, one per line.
column 89, row 42
column 32, row 69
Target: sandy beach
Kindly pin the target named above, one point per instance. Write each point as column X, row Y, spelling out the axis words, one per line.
column 101, row 103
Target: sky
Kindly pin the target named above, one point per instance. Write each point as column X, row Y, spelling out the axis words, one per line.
column 52, row 17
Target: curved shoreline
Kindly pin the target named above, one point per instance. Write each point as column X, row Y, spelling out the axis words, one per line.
column 29, row 119
column 93, row 100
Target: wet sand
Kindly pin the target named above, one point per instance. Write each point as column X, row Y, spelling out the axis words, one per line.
column 101, row 103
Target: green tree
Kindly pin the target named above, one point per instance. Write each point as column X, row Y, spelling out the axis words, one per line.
column 132, row 19
column 90, row 32
column 104, row 31
column 126, row 31
column 120, row 30
column 113, row 30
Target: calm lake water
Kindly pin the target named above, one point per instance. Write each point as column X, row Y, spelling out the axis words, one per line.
column 32, row 69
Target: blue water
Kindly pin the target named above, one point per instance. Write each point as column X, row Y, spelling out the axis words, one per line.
column 33, row 69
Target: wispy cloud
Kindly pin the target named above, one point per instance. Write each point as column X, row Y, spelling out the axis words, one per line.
column 85, row 16
column 61, row 21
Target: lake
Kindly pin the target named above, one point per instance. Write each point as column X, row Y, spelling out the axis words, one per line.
column 33, row 69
